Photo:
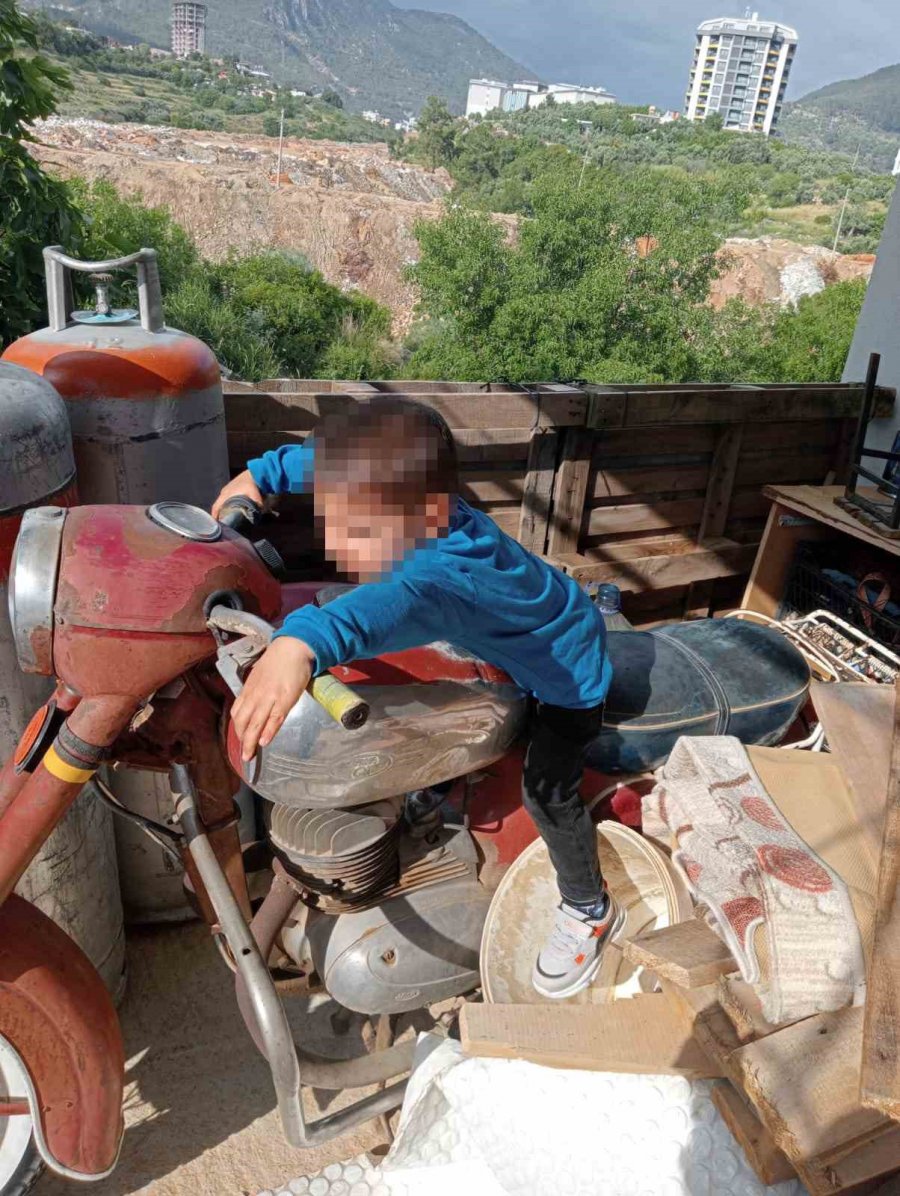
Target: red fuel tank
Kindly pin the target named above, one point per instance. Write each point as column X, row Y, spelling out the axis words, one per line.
column 112, row 599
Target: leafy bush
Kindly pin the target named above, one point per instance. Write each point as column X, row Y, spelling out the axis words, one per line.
column 36, row 208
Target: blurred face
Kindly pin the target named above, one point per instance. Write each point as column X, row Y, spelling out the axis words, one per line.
column 367, row 532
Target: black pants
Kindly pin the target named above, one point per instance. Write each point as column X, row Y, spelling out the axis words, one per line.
column 554, row 768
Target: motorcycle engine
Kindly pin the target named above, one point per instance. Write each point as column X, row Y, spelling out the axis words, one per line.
column 390, row 921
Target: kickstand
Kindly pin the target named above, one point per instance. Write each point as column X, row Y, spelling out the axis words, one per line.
column 384, row 1036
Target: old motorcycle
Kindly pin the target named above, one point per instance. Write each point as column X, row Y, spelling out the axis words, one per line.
column 378, row 874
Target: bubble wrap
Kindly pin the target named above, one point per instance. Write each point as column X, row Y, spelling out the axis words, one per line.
column 497, row 1127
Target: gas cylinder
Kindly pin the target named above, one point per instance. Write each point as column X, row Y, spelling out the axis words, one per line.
column 74, row 878
column 148, row 424
column 145, row 400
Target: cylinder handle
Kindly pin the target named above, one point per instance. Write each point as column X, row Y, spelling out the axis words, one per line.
column 59, row 266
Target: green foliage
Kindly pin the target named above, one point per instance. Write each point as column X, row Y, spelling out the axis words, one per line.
column 436, row 142
column 573, row 296
column 36, row 209
column 332, row 98
column 115, row 226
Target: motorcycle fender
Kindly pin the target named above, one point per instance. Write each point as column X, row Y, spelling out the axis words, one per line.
column 58, row 1018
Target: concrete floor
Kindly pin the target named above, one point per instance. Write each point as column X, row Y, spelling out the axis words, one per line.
column 199, row 1103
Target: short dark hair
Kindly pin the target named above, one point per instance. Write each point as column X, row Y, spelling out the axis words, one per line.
column 389, row 443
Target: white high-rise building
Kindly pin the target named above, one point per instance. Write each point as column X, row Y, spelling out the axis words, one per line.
column 740, row 70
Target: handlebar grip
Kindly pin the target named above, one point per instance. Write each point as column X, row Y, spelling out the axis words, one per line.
column 339, row 700
column 241, row 514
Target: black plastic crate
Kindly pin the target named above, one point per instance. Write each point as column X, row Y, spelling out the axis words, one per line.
column 817, row 582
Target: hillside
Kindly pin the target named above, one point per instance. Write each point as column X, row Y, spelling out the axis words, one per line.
column 372, row 53
column 861, row 112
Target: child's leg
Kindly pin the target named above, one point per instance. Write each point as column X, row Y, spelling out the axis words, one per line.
column 554, row 767
column 587, row 917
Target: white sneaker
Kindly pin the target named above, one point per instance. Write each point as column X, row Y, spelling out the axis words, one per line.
column 571, row 956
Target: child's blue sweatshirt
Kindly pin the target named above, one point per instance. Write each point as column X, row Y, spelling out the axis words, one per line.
column 474, row 587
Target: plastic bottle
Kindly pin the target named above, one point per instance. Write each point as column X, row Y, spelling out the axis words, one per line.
column 609, row 600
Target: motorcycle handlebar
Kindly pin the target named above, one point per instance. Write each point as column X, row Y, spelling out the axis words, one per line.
column 241, row 514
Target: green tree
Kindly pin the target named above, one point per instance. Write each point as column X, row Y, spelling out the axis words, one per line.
column 330, row 96
column 36, row 208
column 811, row 342
column 607, row 281
column 436, row 142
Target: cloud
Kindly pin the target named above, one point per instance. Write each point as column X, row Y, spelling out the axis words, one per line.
column 641, row 49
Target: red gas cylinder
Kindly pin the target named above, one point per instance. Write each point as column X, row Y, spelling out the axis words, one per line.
column 73, row 878
column 145, row 401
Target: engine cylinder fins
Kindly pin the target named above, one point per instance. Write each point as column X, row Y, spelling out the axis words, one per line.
column 348, row 854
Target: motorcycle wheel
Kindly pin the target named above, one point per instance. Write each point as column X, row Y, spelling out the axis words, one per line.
column 20, row 1163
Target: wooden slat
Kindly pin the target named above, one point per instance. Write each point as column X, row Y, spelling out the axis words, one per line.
column 731, row 405
column 880, row 1071
column 537, row 491
column 260, row 412
column 804, row 1081
column 659, row 570
column 770, row 1164
column 742, row 1005
column 653, row 443
column 570, row 488
column 688, row 954
column 644, row 516
column 643, row 1036
column 858, row 719
column 486, row 487
column 789, row 468
column 806, row 435
column 613, row 482
column 721, row 481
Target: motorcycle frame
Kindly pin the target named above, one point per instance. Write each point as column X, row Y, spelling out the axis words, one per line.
column 183, row 733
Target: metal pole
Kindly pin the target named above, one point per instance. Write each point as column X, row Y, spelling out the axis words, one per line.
column 280, row 148
column 837, row 235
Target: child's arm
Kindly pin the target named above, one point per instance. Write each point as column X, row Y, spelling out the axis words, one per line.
column 285, row 470
column 371, row 619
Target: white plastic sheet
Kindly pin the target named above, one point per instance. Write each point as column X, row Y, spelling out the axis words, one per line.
column 496, row 1127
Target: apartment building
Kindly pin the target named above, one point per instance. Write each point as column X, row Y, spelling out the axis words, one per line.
column 740, row 70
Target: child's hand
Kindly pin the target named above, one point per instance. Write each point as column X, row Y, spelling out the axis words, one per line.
column 242, row 486
column 275, row 683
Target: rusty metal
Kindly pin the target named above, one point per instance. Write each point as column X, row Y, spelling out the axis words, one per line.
column 43, row 800
column 57, row 1016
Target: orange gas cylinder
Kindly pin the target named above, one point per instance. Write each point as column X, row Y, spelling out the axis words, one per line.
column 144, row 400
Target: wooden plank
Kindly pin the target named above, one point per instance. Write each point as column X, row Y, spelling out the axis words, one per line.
column 642, row 517
column 653, row 443
column 642, row 1036
column 817, row 502
column 770, row 1164
column 688, row 954
column 730, row 405
column 569, row 491
column 260, row 412
column 858, row 719
column 659, row 570
column 792, row 468
column 880, row 1070
column 618, row 482
column 537, row 495
column 804, row 1080
column 741, row 1003
column 805, row 435
column 721, row 481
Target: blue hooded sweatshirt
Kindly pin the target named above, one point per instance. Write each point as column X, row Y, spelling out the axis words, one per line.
column 474, row 587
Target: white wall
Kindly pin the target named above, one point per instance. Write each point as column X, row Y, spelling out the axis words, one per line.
column 878, row 328
column 483, row 98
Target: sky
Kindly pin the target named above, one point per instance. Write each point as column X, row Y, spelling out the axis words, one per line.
column 641, row 49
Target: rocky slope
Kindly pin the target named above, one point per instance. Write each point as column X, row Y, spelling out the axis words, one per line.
column 350, row 209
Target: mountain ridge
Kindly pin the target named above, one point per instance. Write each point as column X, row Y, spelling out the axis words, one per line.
column 374, row 54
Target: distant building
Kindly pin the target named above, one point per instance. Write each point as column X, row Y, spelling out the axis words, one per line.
column 252, row 72
column 486, row 95
column 740, row 70
column 655, row 116
column 188, row 28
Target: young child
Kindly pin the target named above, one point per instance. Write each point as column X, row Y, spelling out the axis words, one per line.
column 385, row 490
